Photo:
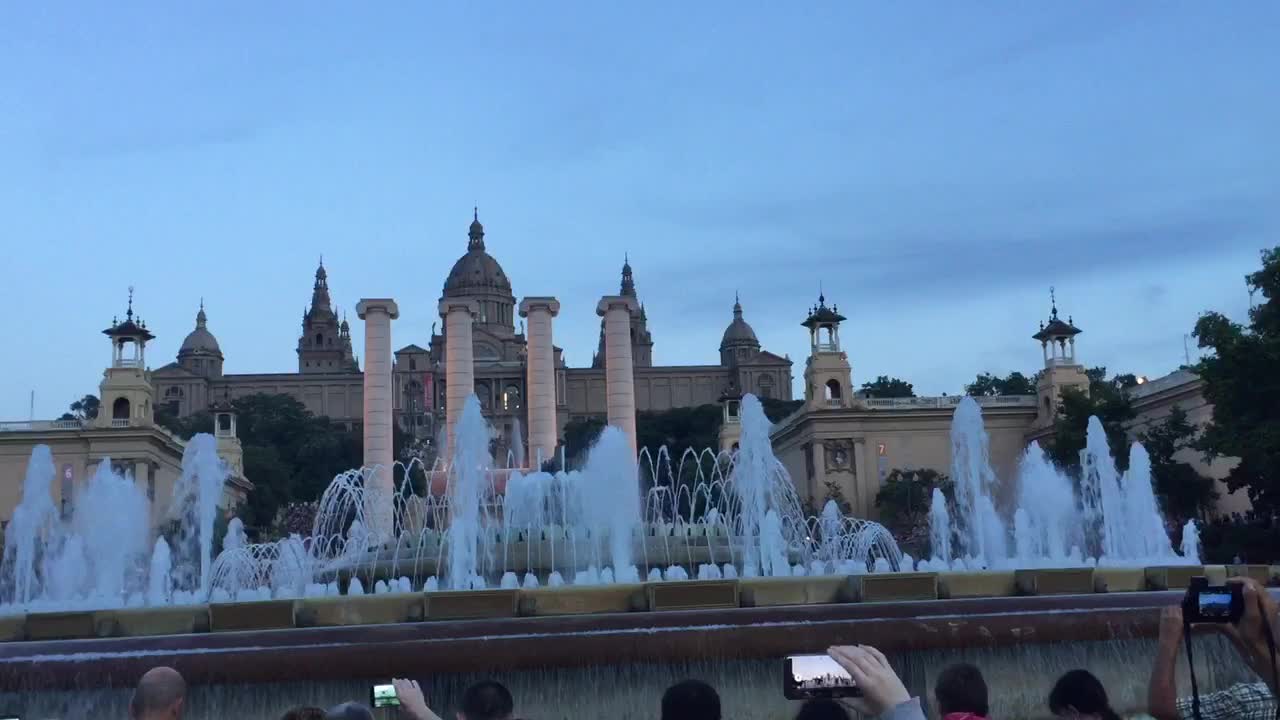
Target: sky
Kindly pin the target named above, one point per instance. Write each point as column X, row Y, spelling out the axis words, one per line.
column 933, row 168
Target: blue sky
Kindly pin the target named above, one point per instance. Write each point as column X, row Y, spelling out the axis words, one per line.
column 936, row 167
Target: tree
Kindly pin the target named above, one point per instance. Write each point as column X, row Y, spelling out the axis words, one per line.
column 887, row 387
column 988, row 385
column 579, row 436
column 1242, row 385
column 904, row 502
column 1184, row 492
column 84, row 409
column 1106, row 399
column 778, row 410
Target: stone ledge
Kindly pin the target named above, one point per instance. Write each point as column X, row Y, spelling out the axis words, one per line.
column 976, row 584
column 169, row 620
column 60, row 626
column 386, row 609
column 1261, row 573
column 470, row 604
column 629, row 597
column 1055, row 581
column 1172, row 577
column 777, row 591
column 254, row 615
column 693, row 594
column 890, row 587
column 1114, row 579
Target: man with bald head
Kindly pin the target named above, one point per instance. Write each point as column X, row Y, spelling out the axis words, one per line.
column 160, row 695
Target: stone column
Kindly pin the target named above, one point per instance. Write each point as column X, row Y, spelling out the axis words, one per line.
column 619, row 377
column 379, row 457
column 459, row 366
column 541, row 379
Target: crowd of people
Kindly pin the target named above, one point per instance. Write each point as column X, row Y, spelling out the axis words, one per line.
column 960, row 691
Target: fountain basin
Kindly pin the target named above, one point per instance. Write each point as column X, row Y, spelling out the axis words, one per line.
column 621, row 598
column 976, row 584
column 1113, row 579
column 388, row 608
column 894, row 587
column 1055, row 581
column 776, row 591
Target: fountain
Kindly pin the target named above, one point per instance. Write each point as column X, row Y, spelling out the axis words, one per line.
column 1115, row 521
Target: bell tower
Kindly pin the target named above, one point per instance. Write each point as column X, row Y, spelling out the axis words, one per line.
column 828, row 377
column 126, row 384
column 1062, row 370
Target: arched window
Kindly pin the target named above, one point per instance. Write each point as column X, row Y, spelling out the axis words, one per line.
column 120, row 409
column 833, row 389
column 319, row 339
column 511, row 398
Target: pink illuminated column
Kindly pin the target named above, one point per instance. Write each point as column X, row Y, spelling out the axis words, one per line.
column 459, row 369
column 541, row 378
column 619, row 378
column 379, row 514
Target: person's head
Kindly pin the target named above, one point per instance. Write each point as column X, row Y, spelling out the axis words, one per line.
column 690, row 700
column 488, row 700
column 822, row 709
column 349, row 711
column 961, row 689
column 304, row 713
column 1079, row 694
column 160, row 695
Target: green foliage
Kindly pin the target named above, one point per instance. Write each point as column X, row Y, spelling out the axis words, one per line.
column 906, row 495
column 679, row 429
column 84, row 409
column 988, row 385
column 1109, row 401
column 777, row 410
column 887, row 387
column 1243, row 386
column 579, row 436
column 1184, row 493
column 289, row 454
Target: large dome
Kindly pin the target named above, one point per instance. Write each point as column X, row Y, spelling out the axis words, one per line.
column 477, row 271
column 739, row 333
column 200, row 340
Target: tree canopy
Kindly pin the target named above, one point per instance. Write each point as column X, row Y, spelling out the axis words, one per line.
column 84, row 409
column 290, row 455
column 988, row 385
column 1108, row 399
column 1184, row 493
column 1242, row 384
column 888, row 387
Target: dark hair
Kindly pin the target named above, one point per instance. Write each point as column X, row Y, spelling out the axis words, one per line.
column 487, row 700
column 1080, row 691
column 349, row 711
column 690, row 700
column 304, row 713
column 822, row 709
column 960, row 688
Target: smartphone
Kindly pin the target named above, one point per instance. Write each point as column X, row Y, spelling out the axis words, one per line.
column 816, row 676
column 384, row 695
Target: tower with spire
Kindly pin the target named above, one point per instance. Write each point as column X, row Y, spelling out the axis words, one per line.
column 641, row 340
column 125, row 392
column 200, row 354
column 325, row 345
column 1062, row 370
column 828, row 376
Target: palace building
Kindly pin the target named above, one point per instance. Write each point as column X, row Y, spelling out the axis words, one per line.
column 330, row 383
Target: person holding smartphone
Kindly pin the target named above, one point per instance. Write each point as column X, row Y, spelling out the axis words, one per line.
column 1245, row 701
column 883, row 694
column 485, row 700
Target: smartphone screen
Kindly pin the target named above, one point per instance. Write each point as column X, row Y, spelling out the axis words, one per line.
column 384, row 696
column 815, row 676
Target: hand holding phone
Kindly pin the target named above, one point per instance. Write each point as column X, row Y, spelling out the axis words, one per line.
column 816, row 676
column 384, row 695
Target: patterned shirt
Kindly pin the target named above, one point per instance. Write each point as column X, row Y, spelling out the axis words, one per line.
column 1243, row 701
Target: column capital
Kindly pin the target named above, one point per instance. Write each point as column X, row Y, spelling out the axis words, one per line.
column 386, row 305
column 448, row 305
column 610, row 302
column 539, row 302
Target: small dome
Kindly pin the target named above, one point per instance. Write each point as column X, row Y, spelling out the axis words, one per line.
column 739, row 333
column 477, row 271
column 200, row 339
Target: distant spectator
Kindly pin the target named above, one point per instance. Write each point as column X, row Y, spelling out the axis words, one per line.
column 304, row 713
column 349, row 711
column 161, row 695
column 1080, row 695
column 690, row 700
column 822, row 709
column 962, row 693
column 487, row 700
